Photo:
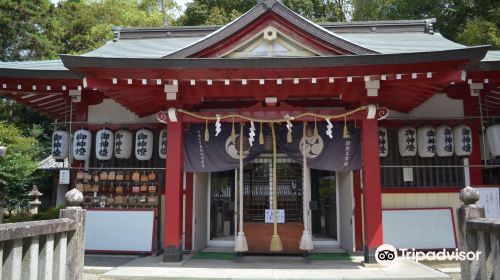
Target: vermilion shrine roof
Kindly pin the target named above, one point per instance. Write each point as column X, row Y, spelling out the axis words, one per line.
column 409, row 58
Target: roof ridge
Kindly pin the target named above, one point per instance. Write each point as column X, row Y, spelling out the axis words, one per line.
column 256, row 12
column 335, row 23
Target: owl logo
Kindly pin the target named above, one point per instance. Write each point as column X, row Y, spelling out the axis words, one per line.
column 233, row 147
column 313, row 145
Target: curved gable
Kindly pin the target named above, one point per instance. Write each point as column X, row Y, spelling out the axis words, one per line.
column 270, row 13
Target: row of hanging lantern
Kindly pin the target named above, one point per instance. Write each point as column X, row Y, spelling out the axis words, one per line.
column 427, row 141
column 108, row 143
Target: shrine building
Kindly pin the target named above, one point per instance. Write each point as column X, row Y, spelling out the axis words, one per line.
column 271, row 134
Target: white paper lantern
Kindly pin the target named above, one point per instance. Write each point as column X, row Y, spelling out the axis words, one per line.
column 104, row 142
column 82, row 142
column 493, row 139
column 383, row 142
column 462, row 139
column 407, row 141
column 143, row 144
column 123, row 144
column 426, row 141
column 444, row 141
column 60, row 144
column 162, row 144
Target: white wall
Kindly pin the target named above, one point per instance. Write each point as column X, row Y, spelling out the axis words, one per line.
column 200, row 211
column 346, row 209
column 438, row 106
column 111, row 112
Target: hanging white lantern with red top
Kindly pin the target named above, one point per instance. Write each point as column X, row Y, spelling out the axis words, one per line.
column 493, row 139
column 60, row 144
column 104, row 142
column 444, row 141
column 383, row 142
column 82, row 144
column 162, row 144
column 144, row 144
column 123, row 144
column 407, row 141
column 426, row 141
column 462, row 139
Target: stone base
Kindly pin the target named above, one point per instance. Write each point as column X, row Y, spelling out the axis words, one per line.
column 371, row 265
column 172, row 254
column 369, row 254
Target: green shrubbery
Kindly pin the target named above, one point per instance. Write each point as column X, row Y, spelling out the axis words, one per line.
column 17, row 165
column 51, row 213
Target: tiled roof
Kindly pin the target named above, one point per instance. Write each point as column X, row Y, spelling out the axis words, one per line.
column 492, row 56
column 34, row 65
column 402, row 42
column 142, row 48
column 49, row 163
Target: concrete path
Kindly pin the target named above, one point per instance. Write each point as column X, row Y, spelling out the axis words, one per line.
column 256, row 267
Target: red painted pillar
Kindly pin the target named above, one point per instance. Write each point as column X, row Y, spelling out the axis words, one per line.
column 358, row 215
column 188, row 244
column 476, row 173
column 172, row 247
column 372, row 193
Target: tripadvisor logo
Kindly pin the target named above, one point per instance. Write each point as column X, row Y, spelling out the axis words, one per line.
column 386, row 255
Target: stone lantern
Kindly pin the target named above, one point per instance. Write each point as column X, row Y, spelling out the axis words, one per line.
column 34, row 194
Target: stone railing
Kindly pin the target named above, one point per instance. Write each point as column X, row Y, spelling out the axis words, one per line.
column 50, row 249
column 478, row 234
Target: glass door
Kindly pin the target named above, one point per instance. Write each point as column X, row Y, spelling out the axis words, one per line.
column 324, row 205
column 258, row 188
column 222, row 185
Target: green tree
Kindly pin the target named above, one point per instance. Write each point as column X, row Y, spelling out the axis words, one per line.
column 25, row 30
column 471, row 22
column 320, row 10
column 480, row 32
column 30, row 123
column 210, row 12
column 86, row 25
column 17, row 165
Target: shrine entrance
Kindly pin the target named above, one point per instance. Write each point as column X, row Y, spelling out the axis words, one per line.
column 258, row 201
column 258, row 204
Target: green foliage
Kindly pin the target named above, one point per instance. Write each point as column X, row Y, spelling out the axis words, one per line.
column 480, row 32
column 86, row 25
column 218, row 12
column 30, row 123
column 17, row 165
column 319, row 10
column 471, row 22
column 214, row 12
column 51, row 213
column 37, row 29
column 26, row 30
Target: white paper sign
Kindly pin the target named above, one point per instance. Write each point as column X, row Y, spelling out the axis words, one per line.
column 408, row 174
column 419, row 228
column 280, row 216
column 119, row 230
column 63, row 177
column 490, row 199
